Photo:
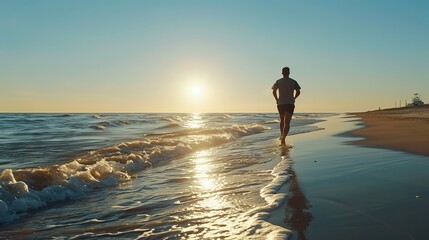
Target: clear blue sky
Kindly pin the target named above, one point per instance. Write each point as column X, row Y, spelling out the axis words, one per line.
column 147, row 56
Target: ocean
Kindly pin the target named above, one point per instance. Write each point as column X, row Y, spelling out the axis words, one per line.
column 144, row 176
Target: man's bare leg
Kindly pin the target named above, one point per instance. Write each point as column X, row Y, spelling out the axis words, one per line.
column 286, row 121
column 282, row 125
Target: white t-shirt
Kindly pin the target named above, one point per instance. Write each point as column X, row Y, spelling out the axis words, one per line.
column 286, row 87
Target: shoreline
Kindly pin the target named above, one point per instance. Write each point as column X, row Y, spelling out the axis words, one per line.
column 402, row 129
column 354, row 192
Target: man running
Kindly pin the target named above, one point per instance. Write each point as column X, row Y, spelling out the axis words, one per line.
column 285, row 101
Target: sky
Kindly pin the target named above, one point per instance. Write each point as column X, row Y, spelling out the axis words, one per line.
column 210, row 56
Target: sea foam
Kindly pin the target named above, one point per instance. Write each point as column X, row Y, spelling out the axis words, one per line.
column 22, row 190
column 256, row 221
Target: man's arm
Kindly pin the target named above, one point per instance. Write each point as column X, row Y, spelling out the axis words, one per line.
column 275, row 87
column 275, row 95
column 297, row 93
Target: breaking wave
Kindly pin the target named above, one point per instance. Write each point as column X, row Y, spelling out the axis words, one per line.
column 22, row 190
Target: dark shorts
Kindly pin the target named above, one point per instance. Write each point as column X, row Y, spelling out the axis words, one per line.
column 286, row 108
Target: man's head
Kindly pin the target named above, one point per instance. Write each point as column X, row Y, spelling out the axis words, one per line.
column 286, row 71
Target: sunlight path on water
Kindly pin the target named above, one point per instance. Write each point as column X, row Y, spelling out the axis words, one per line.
column 204, row 180
column 195, row 121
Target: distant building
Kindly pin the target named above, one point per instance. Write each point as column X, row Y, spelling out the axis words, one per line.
column 416, row 101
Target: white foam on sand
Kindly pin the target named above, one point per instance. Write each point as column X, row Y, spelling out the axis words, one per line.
column 255, row 221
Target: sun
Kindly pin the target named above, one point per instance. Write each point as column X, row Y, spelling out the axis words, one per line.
column 195, row 90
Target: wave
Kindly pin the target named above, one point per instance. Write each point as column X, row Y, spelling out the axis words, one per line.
column 101, row 125
column 223, row 117
column 172, row 125
column 124, row 122
column 272, row 121
column 22, row 190
column 98, row 127
column 313, row 115
column 104, row 124
column 173, row 119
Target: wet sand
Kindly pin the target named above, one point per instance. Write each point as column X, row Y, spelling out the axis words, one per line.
column 404, row 129
column 339, row 190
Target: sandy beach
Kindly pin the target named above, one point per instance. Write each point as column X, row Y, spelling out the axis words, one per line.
column 404, row 129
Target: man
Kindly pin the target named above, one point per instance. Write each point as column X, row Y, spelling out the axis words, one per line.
column 289, row 90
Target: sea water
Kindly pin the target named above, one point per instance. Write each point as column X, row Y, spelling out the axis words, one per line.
column 143, row 176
